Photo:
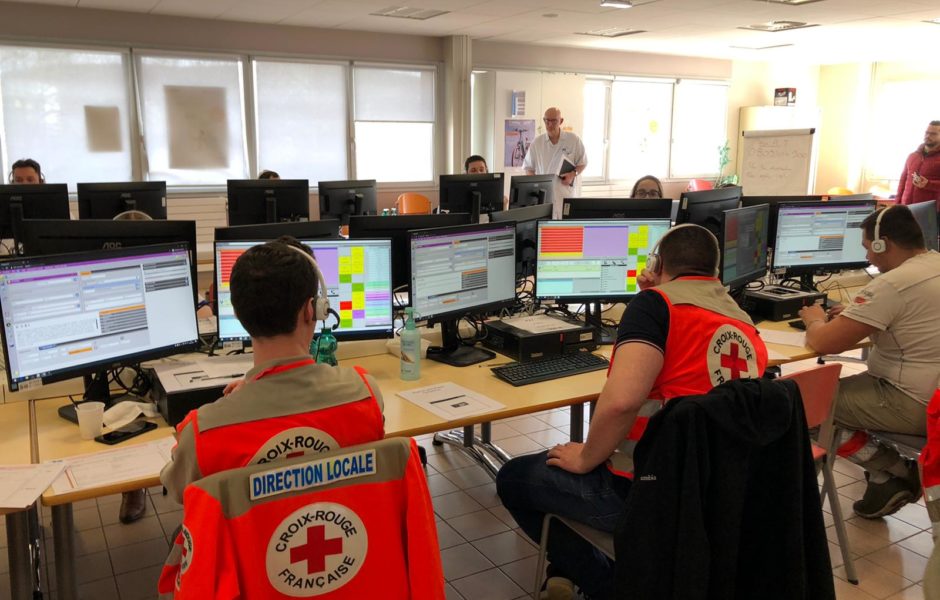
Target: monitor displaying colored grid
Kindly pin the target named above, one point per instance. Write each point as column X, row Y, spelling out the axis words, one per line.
column 358, row 277
column 744, row 244
column 594, row 260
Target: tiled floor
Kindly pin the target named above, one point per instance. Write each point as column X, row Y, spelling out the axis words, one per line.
column 484, row 556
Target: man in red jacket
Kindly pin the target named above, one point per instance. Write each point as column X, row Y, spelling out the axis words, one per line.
column 920, row 179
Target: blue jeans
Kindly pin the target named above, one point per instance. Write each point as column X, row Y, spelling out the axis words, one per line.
column 529, row 489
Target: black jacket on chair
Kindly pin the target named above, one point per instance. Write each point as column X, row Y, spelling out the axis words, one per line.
column 725, row 503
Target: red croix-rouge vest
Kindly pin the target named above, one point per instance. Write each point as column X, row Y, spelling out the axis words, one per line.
column 710, row 341
column 322, row 527
column 329, row 421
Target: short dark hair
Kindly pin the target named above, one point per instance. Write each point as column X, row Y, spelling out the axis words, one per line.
column 270, row 283
column 27, row 163
column 935, row 123
column 471, row 159
column 898, row 225
column 268, row 174
column 689, row 250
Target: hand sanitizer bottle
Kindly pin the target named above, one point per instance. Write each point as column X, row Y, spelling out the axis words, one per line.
column 410, row 348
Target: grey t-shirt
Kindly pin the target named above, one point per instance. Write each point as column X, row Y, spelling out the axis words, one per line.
column 904, row 306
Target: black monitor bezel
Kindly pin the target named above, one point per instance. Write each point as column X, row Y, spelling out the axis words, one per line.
column 365, row 227
column 298, row 196
column 42, row 198
column 91, row 197
column 97, row 366
column 34, row 231
column 457, row 230
column 490, row 181
column 368, row 205
column 338, row 332
column 527, row 215
column 308, row 230
column 817, row 269
column 617, row 208
column 692, row 202
column 611, row 299
column 742, row 279
column 518, row 182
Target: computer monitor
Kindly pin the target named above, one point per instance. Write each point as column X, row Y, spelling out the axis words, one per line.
column 706, row 208
column 84, row 313
column 852, row 197
column 25, row 201
column 774, row 202
column 594, row 261
column 341, row 199
column 396, row 228
column 926, row 215
column 526, row 219
column 358, row 282
column 527, row 190
column 616, row 208
column 60, row 236
column 252, row 201
column 302, row 230
column 457, row 271
column 474, row 194
column 820, row 237
column 107, row 200
column 744, row 244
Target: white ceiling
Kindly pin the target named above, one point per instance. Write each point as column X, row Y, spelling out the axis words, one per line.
column 848, row 31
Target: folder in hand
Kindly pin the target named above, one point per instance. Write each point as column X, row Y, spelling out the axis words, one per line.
column 566, row 167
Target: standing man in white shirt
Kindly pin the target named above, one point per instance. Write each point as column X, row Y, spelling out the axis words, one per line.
column 547, row 154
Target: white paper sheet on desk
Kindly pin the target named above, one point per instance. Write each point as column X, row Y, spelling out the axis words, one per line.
column 21, row 485
column 126, row 411
column 784, row 338
column 112, row 466
column 539, row 324
column 450, row 401
column 774, row 355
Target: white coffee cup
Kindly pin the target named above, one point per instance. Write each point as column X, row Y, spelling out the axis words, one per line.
column 90, row 419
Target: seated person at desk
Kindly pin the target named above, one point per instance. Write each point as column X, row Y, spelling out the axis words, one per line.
column 899, row 312
column 475, row 164
column 26, row 170
column 288, row 404
column 681, row 335
column 647, row 187
column 268, row 174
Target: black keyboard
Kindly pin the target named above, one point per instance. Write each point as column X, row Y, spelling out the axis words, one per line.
column 550, row 368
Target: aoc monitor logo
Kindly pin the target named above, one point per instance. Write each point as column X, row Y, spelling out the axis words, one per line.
column 730, row 355
column 294, row 442
column 316, row 550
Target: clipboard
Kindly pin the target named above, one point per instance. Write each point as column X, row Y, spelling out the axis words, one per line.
column 566, row 167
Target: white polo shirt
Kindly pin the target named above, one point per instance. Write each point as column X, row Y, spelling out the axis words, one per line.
column 546, row 158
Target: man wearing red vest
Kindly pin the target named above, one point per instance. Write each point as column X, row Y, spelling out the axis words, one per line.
column 288, row 406
column 682, row 335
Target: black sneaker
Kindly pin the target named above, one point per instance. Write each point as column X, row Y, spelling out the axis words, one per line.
column 882, row 499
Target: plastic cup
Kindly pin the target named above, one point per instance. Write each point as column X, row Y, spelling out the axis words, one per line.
column 90, row 419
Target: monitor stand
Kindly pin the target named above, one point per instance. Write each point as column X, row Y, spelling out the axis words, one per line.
column 455, row 353
column 96, row 390
column 593, row 317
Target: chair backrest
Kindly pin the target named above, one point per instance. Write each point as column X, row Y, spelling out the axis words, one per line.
column 818, row 387
column 412, row 203
column 352, row 523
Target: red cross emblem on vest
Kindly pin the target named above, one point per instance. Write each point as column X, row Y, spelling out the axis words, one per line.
column 733, row 362
column 316, row 549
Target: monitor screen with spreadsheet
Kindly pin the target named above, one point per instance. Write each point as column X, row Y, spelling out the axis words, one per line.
column 821, row 236
column 459, row 270
column 744, row 244
column 593, row 260
column 67, row 315
column 358, row 275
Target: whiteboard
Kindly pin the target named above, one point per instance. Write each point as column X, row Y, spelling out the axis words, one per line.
column 778, row 162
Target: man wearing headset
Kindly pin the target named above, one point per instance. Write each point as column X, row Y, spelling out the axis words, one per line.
column 899, row 312
column 288, row 404
column 26, row 170
column 681, row 335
